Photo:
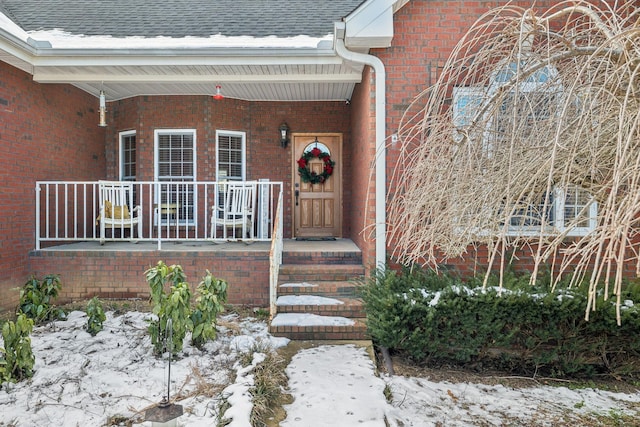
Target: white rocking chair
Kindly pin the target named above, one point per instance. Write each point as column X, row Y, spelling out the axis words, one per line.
column 115, row 214
column 235, row 210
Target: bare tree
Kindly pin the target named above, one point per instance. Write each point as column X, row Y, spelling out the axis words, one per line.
column 529, row 140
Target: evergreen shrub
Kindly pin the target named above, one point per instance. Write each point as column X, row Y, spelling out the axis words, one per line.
column 525, row 329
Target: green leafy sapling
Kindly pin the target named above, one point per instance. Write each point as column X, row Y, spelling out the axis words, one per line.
column 17, row 360
column 95, row 316
column 158, row 277
column 174, row 304
column 178, row 309
column 212, row 294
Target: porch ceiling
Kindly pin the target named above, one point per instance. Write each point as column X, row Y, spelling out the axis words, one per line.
column 274, row 79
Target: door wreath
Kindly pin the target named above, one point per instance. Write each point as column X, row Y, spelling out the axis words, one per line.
column 307, row 175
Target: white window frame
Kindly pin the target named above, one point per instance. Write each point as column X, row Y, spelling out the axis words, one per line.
column 591, row 214
column 156, row 171
column 121, row 139
column 462, row 117
column 229, row 133
column 464, row 98
column 557, row 224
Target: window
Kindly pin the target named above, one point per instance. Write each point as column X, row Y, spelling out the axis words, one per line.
column 578, row 208
column 128, row 156
column 467, row 102
column 230, row 156
column 175, row 162
column 570, row 210
column 523, row 111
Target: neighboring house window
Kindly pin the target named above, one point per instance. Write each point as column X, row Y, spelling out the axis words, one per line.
column 533, row 104
column 128, row 156
column 230, row 156
column 175, row 161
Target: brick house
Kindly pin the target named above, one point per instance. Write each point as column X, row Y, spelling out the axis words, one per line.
column 338, row 73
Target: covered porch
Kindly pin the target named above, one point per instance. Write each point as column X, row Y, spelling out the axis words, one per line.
column 100, row 237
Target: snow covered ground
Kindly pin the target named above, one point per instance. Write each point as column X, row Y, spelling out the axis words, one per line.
column 82, row 380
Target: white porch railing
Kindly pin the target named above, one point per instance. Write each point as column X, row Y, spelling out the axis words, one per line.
column 275, row 258
column 68, row 211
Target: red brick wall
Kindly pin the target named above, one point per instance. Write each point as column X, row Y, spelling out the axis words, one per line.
column 120, row 274
column 47, row 132
column 260, row 120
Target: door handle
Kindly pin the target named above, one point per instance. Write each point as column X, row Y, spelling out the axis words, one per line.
column 297, row 193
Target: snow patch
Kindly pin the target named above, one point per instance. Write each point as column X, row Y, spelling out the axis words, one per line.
column 306, row 300
column 299, row 285
column 61, row 39
column 335, row 385
column 304, row 319
column 85, row 380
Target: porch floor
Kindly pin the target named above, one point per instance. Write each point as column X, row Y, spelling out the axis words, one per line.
column 290, row 245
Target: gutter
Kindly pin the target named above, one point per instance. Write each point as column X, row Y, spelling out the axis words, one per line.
column 381, row 157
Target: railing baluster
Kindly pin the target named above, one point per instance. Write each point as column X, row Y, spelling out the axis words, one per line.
column 37, row 216
column 46, row 202
column 66, row 210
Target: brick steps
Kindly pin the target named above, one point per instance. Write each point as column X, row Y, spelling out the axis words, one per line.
column 317, row 297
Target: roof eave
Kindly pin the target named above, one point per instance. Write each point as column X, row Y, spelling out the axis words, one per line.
column 16, row 51
column 370, row 25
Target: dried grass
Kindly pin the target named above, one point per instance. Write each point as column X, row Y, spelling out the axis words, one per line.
column 454, row 190
column 268, row 390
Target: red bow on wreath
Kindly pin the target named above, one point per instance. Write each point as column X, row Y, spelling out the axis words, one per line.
column 309, row 176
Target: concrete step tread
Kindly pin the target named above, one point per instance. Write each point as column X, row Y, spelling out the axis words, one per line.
column 319, row 305
column 307, row 300
column 307, row 319
column 317, row 300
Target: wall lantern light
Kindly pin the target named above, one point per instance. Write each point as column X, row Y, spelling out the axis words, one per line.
column 103, row 110
column 218, row 96
column 284, row 135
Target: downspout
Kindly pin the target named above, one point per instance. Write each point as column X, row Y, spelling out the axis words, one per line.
column 381, row 157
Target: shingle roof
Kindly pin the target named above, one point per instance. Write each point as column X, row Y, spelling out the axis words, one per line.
column 180, row 18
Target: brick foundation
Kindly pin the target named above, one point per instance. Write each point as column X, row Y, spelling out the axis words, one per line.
column 120, row 274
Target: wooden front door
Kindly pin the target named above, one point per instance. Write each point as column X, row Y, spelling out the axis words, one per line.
column 317, row 207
